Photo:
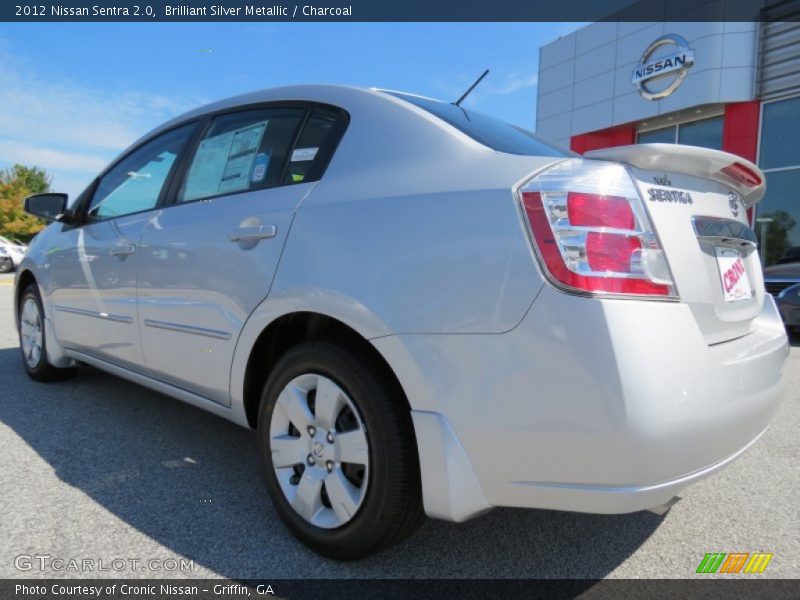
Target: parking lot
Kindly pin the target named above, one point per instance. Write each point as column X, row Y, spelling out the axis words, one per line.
column 99, row 468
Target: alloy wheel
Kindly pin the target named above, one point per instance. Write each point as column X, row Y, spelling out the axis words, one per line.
column 320, row 451
column 30, row 330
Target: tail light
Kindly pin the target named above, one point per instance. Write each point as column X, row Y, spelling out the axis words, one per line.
column 592, row 232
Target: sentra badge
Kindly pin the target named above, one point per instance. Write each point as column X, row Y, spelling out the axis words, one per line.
column 672, row 196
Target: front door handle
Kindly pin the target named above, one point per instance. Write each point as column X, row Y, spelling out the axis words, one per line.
column 123, row 249
column 258, row 232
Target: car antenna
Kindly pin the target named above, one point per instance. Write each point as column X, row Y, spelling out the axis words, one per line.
column 472, row 87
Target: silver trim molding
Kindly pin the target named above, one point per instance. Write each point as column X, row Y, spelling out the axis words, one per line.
column 724, row 231
column 179, row 327
column 95, row 314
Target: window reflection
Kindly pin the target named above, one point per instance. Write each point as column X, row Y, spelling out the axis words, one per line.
column 706, row 133
column 780, row 134
column 777, row 219
column 778, row 214
column 657, row 136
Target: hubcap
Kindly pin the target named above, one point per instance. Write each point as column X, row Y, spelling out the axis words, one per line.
column 319, row 451
column 30, row 333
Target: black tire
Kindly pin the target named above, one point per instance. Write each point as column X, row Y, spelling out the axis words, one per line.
column 41, row 370
column 392, row 506
column 6, row 267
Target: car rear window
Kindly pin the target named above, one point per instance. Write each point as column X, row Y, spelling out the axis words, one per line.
column 494, row 133
column 241, row 152
column 314, row 136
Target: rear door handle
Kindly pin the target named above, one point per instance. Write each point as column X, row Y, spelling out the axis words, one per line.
column 123, row 250
column 259, row 232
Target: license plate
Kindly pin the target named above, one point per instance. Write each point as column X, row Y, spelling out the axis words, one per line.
column 735, row 283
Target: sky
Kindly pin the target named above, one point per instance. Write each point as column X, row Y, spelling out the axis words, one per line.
column 72, row 96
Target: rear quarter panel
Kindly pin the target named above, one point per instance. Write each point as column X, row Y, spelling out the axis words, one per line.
column 454, row 262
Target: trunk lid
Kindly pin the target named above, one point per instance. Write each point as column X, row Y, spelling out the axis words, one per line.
column 697, row 200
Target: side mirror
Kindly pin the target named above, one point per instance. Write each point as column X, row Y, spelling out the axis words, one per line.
column 48, row 206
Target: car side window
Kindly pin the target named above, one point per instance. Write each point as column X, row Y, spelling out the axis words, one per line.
column 135, row 183
column 315, row 135
column 241, row 152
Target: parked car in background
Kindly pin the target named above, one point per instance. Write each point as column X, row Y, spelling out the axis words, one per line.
column 789, row 306
column 420, row 309
column 6, row 262
column 780, row 276
column 11, row 253
column 792, row 255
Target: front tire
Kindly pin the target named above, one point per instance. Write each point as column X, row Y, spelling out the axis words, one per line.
column 338, row 452
column 32, row 339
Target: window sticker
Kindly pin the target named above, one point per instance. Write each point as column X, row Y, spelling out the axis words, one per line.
column 223, row 163
column 260, row 167
column 241, row 157
column 304, row 154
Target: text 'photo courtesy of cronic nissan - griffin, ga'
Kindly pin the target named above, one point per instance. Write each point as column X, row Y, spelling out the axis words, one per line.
column 421, row 310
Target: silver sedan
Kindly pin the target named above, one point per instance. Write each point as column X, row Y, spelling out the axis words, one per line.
column 420, row 309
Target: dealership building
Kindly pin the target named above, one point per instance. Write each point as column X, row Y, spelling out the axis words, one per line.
column 733, row 86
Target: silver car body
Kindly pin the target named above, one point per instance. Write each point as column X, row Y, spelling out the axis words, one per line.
column 521, row 394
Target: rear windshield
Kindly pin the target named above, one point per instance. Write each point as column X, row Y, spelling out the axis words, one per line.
column 494, row 133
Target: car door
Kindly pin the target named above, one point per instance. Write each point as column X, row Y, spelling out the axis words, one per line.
column 94, row 266
column 209, row 257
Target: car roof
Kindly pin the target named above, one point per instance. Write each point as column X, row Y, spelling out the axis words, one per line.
column 344, row 96
column 389, row 139
column 369, row 103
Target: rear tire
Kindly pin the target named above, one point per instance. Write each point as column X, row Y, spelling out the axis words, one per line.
column 305, row 452
column 6, row 267
column 32, row 339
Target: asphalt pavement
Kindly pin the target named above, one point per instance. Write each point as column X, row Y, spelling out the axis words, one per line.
column 99, row 469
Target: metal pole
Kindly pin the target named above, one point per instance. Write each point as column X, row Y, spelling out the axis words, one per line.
column 764, row 221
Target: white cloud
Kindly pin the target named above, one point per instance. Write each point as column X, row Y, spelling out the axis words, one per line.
column 513, row 83
column 457, row 84
column 13, row 151
column 70, row 129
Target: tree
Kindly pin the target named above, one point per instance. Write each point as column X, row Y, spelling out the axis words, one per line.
column 15, row 184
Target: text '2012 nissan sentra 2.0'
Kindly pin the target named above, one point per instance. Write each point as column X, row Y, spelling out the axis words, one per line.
column 419, row 308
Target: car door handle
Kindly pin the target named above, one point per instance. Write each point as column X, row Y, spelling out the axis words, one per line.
column 123, row 249
column 246, row 234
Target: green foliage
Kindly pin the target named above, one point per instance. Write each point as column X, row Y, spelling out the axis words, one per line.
column 15, row 184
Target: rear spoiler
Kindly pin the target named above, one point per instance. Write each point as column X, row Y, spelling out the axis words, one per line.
column 722, row 167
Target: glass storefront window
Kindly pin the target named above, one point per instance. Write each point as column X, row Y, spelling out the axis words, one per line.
column 706, row 133
column 778, row 214
column 657, row 136
column 781, row 234
column 780, row 134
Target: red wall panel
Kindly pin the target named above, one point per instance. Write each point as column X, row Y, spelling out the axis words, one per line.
column 740, row 129
column 740, row 132
column 607, row 138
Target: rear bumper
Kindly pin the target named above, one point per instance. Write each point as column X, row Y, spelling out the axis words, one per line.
column 589, row 405
column 606, row 499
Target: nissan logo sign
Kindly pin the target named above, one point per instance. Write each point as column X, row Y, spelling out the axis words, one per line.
column 674, row 65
